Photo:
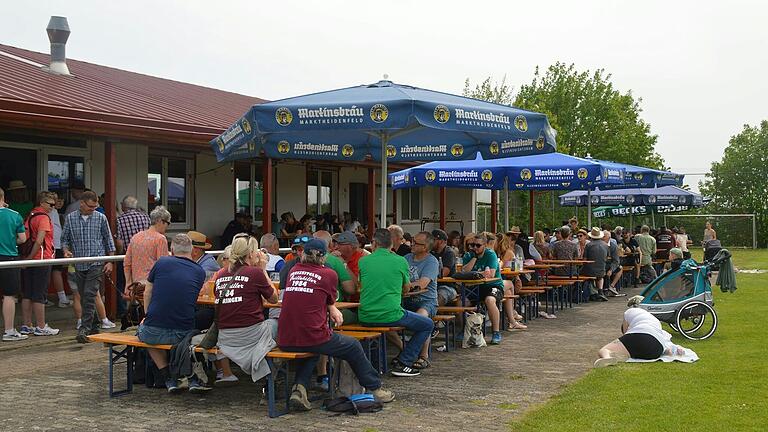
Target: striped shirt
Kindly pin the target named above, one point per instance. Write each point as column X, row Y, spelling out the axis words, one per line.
column 87, row 236
column 130, row 223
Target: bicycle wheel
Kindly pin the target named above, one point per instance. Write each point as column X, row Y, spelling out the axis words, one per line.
column 696, row 320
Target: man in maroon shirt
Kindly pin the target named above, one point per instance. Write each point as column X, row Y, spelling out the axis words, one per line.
column 309, row 297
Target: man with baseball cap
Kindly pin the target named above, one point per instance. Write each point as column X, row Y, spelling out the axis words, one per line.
column 446, row 293
column 349, row 247
column 200, row 244
column 309, row 298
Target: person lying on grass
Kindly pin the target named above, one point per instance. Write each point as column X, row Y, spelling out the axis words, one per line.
column 642, row 338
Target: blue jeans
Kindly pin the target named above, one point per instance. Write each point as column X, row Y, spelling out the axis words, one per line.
column 339, row 346
column 420, row 325
column 159, row 335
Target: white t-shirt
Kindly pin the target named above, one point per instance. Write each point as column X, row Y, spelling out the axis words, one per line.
column 273, row 261
column 641, row 321
column 56, row 221
column 682, row 241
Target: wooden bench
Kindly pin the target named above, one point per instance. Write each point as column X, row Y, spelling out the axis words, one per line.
column 455, row 310
column 449, row 322
column 131, row 342
column 382, row 365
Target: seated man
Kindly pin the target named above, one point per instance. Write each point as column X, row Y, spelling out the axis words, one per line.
column 384, row 278
column 564, row 249
column 310, row 295
column 595, row 250
column 270, row 243
column 675, row 258
column 424, row 270
column 478, row 258
column 200, row 244
column 446, row 293
column 170, row 296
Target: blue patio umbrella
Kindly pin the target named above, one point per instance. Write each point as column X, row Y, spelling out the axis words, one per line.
column 653, row 197
column 551, row 171
column 641, row 177
column 387, row 121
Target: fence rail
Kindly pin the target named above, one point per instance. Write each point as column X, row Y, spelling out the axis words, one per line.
column 70, row 261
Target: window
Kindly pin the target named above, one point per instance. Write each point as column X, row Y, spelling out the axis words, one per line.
column 320, row 191
column 249, row 189
column 63, row 172
column 167, row 186
column 410, row 204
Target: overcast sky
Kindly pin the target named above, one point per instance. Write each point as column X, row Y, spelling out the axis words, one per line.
column 699, row 68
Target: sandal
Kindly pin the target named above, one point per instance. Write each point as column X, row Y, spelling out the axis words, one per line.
column 517, row 326
column 421, row 363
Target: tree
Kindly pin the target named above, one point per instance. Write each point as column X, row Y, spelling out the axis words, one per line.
column 499, row 93
column 591, row 117
column 739, row 182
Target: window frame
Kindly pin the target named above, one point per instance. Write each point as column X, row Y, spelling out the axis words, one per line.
column 188, row 187
column 409, row 192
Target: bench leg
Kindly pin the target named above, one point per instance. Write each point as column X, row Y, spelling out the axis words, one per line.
column 114, row 357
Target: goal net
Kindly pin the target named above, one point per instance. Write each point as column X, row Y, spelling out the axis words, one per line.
column 733, row 230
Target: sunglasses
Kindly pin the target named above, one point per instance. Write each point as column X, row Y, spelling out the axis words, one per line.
column 50, row 203
column 300, row 240
column 579, row 235
column 419, row 244
column 474, row 245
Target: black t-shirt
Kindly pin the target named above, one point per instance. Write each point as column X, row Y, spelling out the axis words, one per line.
column 448, row 259
column 403, row 250
column 632, row 246
column 291, row 228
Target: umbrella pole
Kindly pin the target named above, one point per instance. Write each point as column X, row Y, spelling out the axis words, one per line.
column 631, row 213
column 589, row 209
column 383, row 216
column 506, row 205
column 653, row 217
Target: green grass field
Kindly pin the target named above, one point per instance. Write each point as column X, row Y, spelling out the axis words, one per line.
column 727, row 389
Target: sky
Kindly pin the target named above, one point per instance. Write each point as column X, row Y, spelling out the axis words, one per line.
column 699, row 67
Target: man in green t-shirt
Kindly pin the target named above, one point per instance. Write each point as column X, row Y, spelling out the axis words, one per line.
column 384, row 278
column 647, row 246
column 12, row 233
column 479, row 258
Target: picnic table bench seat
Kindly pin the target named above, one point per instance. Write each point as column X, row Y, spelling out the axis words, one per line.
column 130, row 342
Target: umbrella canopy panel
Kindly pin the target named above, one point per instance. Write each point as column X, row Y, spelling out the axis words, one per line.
column 641, row 177
column 403, row 122
column 552, row 171
column 666, row 195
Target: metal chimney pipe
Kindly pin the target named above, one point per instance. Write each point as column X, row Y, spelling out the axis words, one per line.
column 58, row 33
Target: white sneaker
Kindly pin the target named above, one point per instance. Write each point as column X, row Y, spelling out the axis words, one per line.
column 13, row 335
column 226, row 379
column 79, row 323
column 46, row 331
column 65, row 303
column 107, row 324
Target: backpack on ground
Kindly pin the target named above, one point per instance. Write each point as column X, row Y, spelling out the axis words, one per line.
column 344, row 380
column 354, row 404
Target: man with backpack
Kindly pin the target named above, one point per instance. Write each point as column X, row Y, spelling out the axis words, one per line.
column 39, row 246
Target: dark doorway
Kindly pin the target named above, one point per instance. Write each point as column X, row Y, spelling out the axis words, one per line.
column 19, row 164
column 358, row 200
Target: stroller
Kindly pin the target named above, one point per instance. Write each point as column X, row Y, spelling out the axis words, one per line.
column 711, row 248
column 683, row 297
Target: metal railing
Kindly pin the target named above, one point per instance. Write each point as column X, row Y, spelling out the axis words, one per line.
column 70, row 261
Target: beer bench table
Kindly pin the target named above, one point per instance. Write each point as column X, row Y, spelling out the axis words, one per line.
column 131, row 342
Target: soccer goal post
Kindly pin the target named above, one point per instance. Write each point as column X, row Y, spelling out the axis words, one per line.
column 733, row 230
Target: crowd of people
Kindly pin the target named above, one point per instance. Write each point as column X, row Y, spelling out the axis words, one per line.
column 330, row 262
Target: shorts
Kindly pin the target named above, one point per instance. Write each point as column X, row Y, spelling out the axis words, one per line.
column 642, row 346
column 59, row 254
column 10, row 279
column 414, row 304
column 350, row 316
column 487, row 291
column 446, row 294
column 159, row 335
column 35, row 283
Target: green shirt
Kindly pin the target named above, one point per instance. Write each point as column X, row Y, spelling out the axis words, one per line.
column 337, row 266
column 490, row 260
column 647, row 245
column 382, row 276
column 24, row 208
column 11, row 224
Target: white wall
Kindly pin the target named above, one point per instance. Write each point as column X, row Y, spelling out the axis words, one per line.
column 214, row 196
column 132, row 171
column 290, row 188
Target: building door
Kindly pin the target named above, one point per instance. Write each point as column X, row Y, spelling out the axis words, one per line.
column 18, row 165
column 63, row 172
column 358, row 201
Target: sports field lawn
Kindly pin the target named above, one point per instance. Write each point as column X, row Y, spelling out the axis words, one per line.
column 727, row 389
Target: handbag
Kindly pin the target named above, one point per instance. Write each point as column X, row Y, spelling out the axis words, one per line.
column 468, row 275
column 211, row 337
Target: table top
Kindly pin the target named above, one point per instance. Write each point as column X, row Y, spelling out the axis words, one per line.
column 467, row 282
column 543, row 266
column 510, row 272
column 339, row 305
column 578, row 261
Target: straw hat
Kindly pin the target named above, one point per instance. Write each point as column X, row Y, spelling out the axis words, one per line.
column 596, row 233
column 16, row 184
column 515, row 230
column 199, row 240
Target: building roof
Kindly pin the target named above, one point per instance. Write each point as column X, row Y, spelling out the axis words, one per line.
column 104, row 101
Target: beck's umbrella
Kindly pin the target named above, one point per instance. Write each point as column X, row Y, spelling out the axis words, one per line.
column 387, row 121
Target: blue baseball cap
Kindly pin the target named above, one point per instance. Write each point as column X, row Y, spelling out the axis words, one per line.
column 315, row 245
